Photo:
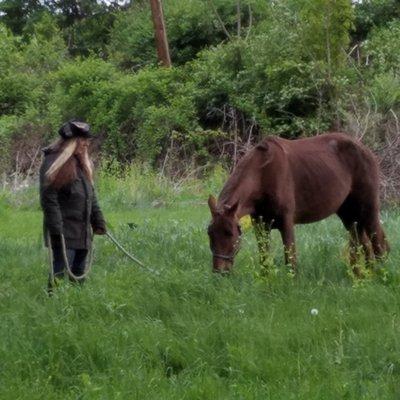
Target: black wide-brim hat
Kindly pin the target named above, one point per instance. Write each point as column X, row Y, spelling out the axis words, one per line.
column 75, row 128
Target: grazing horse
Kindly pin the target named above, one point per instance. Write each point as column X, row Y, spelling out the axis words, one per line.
column 280, row 183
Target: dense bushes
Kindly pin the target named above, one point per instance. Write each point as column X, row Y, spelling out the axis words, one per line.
column 286, row 67
column 193, row 25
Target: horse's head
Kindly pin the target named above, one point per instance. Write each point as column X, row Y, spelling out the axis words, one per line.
column 224, row 233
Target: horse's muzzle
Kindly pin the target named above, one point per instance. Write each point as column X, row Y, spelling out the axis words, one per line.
column 222, row 266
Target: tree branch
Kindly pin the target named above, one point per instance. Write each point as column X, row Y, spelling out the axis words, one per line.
column 250, row 23
column 239, row 16
column 219, row 19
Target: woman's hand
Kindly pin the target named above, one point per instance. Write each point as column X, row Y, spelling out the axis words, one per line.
column 99, row 230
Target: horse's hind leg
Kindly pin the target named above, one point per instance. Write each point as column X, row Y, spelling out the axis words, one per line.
column 376, row 235
column 358, row 236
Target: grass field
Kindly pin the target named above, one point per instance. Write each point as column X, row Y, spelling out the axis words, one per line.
column 187, row 333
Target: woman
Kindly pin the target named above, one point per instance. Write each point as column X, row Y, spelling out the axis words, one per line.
column 68, row 200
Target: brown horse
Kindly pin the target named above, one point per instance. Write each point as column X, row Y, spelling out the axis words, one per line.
column 280, row 183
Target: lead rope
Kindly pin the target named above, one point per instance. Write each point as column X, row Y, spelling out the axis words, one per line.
column 88, row 265
column 50, row 253
column 138, row 262
column 67, row 267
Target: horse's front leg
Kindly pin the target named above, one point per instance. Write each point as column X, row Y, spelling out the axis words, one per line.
column 262, row 231
column 287, row 233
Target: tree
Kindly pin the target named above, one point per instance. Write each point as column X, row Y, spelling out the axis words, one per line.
column 373, row 13
column 16, row 13
column 160, row 33
column 86, row 24
column 192, row 27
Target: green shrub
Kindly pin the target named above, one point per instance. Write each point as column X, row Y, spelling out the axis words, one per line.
column 382, row 49
column 385, row 92
column 141, row 113
column 371, row 14
column 8, row 125
column 77, row 83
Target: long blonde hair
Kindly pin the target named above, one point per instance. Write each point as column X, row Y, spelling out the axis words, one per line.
column 64, row 168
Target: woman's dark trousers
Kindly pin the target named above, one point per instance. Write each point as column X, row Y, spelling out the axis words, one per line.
column 77, row 262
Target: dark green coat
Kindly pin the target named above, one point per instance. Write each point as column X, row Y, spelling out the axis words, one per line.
column 72, row 210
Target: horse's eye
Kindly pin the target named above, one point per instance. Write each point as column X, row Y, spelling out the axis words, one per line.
column 240, row 230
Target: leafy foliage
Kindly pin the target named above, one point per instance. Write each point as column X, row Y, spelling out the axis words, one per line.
column 17, row 14
column 382, row 48
column 192, row 26
column 85, row 23
column 241, row 69
column 374, row 13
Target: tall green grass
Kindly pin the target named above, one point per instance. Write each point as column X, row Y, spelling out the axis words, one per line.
column 187, row 333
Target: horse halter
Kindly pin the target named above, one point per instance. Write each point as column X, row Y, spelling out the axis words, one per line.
column 235, row 250
column 224, row 257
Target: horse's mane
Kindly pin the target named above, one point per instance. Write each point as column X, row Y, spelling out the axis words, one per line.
column 234, row 180
column 241, row 169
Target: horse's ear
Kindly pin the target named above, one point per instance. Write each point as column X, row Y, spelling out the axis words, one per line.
column 263, row 146
column 212, row 203
column 231, row 209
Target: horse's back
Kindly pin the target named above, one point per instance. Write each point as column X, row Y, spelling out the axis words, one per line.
column 325, row 170
column 332, row 151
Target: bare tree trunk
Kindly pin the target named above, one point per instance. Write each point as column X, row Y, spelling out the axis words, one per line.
column 160, row 33
column 250, row 23
column 219, row 19
column 235, row 142
column 239, row 16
